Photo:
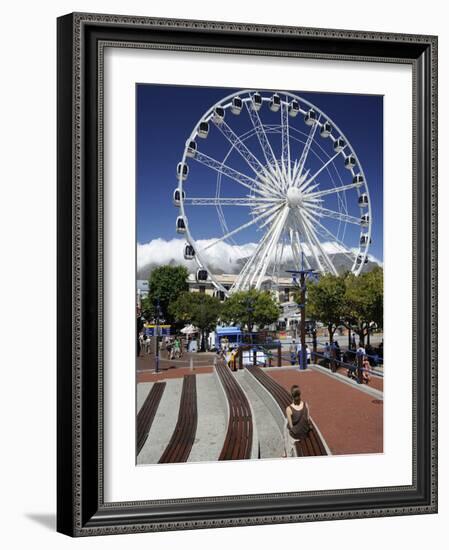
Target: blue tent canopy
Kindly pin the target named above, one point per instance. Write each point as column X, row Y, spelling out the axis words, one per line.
column 228, row 331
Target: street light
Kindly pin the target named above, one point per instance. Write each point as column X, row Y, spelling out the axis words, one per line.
column 250, row 311
column 304, row 275
column 158, row 315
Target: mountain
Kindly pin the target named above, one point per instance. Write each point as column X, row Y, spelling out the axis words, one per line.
column 231, row 258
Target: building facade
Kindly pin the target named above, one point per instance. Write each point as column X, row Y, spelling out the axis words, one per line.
column 289, row 316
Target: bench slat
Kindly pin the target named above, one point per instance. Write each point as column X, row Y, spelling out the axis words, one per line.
column 181, row 442
column 147, row 413
column 239, row 435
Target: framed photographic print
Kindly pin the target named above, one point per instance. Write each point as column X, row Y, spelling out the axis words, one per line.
column 246, row 274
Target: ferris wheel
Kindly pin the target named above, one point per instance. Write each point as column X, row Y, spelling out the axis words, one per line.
column 272, row 170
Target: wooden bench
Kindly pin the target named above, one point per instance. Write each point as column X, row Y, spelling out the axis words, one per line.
column 239, row 436
column 181, row 442
column 312, row 445
column 147, row 413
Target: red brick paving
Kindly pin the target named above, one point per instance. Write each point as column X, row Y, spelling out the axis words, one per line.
column 376, row 382
column 148, row 362
column 350, row 420
column 171, row 373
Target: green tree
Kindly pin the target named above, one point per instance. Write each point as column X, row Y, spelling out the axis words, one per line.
column 251, row 307
column 147, row 308
column 325, row 301
column 199, row 309
column 364, row 302
column 166, row 283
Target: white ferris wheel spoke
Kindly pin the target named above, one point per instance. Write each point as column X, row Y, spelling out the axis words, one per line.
column 266, row 256
column 277, row 264
column 313, row 237
column 228, row 201
column 327, row 213
column 305, row 151
column 297, row 247
column 314, row 247
column 311, row 219
column 260, row 261
column 318, row 172
column 263, row 139
column 285, row 139
column 224, row 169
column 297, row 233
column 242, row 280
column 243, row 150
column 244, row 226
column 296, row 253
column 319, row 194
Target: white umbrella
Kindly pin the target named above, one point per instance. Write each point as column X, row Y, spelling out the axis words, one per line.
column 189, row 329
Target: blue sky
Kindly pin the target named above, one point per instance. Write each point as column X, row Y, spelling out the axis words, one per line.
column 167, row 114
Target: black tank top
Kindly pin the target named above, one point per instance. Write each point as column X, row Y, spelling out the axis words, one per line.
column 300, row 423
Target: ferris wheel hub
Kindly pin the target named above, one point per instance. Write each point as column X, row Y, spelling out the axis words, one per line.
column 294, row 197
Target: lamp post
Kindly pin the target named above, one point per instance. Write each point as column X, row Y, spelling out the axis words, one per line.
column 249, row 303
column 250, row 309
column 158, row 314
column 304, row 275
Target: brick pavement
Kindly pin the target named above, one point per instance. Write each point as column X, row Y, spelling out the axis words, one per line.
column 351, row 421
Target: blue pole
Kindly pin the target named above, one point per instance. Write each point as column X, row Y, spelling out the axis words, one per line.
column 157, row 336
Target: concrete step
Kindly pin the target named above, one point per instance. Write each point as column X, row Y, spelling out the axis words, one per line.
column 270, row 437
column 164, row 422
column 143, row 390
column 212, row 420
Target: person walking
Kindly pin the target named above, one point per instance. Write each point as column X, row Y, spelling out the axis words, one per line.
column 360, row 356
column 140, row 343
column 169, row 348
column 292, row 350
column 327, row 354
column 337, row 351
column 297, row 424
column 176, row 349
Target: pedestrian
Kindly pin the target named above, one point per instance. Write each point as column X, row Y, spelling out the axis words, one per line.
column 297, row 424
column 366, row 375
column 139, row 344
column 327, row 354
column 360, row 356
column 144, row 344
column 176, row 349
column 353, row 344
column 169, row 348
column 292, row 350
column 361, row 351
column 298, row 353
column 337, row 351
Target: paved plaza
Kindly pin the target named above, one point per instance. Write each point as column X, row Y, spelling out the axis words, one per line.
column 348, row 416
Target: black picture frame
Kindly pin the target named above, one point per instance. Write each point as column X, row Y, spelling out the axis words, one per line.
column 81, row 510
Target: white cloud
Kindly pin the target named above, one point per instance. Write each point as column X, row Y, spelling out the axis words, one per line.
column 223, row 256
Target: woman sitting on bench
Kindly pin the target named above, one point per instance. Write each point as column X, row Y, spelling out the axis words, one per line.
column 297, row 425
